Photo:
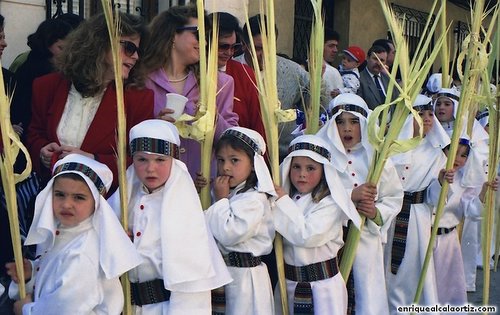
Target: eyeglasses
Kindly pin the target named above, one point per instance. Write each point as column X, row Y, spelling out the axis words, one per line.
column 129, row 48
column 233, row 47
column 190, row 28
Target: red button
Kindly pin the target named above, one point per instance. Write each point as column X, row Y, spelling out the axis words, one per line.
column 142, row 207
column 350, row 162
column 57, row 232
column 138, row 234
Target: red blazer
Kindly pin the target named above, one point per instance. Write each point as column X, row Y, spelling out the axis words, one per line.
column 246, row 96
column 50, row 93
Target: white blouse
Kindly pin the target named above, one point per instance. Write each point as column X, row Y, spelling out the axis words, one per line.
column 78, row 114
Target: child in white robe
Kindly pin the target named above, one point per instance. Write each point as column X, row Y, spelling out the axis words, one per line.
column 241, row 220
column 461, row 202
column 351, row 155
column 407, row 246
column 181, row 261
column 446, row 108
column 309, row 213
column 82, row 248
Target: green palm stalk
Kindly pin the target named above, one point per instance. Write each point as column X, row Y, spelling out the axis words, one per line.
column 476, row 60
column 413, row 76
column 208, row 91
column 315, row 68
column 271, row 115
column 113, row 24
column 11, row 146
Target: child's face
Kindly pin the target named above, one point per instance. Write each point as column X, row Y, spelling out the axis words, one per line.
column 428, row 121
column 72, row 201
column 461, row 157
column 305, row 174
column 349, row 129
column 233, row 163
column 153, row 170
column 444, row 109
column 348, row 63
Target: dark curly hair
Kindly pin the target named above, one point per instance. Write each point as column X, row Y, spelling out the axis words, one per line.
column 83, row 60
column 238, row 145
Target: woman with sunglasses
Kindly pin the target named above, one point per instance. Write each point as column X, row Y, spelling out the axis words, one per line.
column 74, row 110
column 170, row 62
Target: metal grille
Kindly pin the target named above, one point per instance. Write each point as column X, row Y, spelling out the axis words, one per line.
column 413, row 26
column 145, row 8
column 303, row 23
column 302, row 29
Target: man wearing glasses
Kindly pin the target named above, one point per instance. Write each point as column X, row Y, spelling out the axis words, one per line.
column 246, row 97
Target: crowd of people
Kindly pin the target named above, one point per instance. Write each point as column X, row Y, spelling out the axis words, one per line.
column 181, row 259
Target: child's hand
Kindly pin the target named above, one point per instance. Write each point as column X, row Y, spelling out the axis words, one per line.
column 18, row 305
column 367, row 208
column 279, row 191
column 221, row 187
column 365, row 191
column 200, row 182
column 12, row 271
column 494, row 186
column 446, row 175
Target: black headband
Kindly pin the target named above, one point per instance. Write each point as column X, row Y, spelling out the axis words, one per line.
column 87, row 171
column 428, row 106
column 244, row 138
column 349, row 108
column 449, row 95
column 154, row 145
column 311, row 147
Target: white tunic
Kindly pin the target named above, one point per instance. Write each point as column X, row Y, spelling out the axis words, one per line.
column 69, row 280
column 449, row 267
column 416, row 171
column 243, row 223
column 312, row 233
column 368, row 268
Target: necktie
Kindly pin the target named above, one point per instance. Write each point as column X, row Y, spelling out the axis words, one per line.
column 379, row 87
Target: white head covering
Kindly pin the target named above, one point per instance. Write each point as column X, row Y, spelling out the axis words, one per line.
column 474, row 173
column 434, row 83
column 354, row 104
column 186, row 258
column 255, row 141
column 437, row 136
column 452, row 94
column 116, row 253
column 318, row 150
column 483, row 118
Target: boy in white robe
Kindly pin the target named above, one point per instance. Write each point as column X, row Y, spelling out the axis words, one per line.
column 309, row 214
column 241, row 220
column 181, row 261
column 446, row 108
column 461, row 202
column 351, row 156
column 407, row 246
column 82, row 248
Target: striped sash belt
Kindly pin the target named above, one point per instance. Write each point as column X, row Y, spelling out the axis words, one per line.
column 242, row 260
column 149, row 292
column 303, row 299
column 401, row 229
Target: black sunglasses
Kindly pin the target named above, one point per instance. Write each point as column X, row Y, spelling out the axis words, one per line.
column 129, row 48
column 190, row 28
column 233, row 47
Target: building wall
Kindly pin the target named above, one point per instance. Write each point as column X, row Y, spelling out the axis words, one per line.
column 21, row 19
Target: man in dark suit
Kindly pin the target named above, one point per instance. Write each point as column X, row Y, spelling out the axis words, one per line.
column 373, row 81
